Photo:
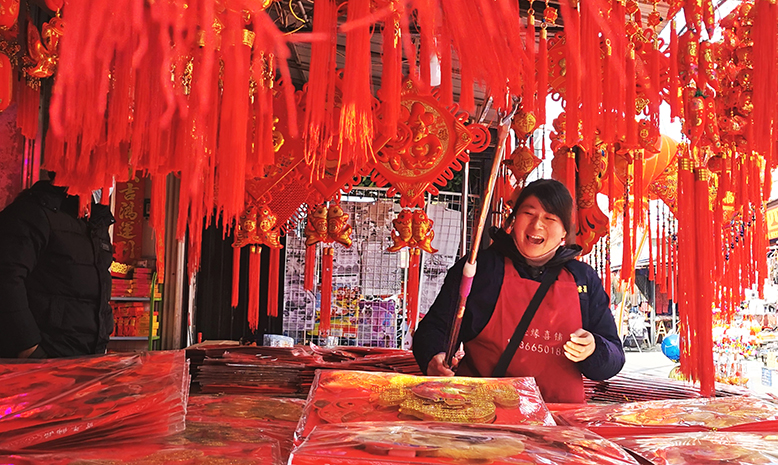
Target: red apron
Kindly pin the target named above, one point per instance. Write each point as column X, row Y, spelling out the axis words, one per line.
column 541, row 352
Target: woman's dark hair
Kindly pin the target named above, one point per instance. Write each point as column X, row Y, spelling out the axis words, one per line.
column 554, row 197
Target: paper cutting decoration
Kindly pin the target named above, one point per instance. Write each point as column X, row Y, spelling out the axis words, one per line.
column 429, row 143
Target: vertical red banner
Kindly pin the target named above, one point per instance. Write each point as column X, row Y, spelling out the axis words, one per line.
column 128, row 210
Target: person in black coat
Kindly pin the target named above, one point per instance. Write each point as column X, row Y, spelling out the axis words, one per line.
column 573, row 332
column 55, row 282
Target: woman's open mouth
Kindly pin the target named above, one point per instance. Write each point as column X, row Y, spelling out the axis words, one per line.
column 536, row 240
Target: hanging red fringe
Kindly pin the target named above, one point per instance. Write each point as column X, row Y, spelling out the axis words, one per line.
column 446, row 70
column 639, row 188
column 231, row 156
column 631, row 136
column 686, row 261
column 592, row 66
column 356, row 116
column 702, row 349
column 573, row 75
column 272, row 282
column 310, row 267
column 627, row 270
column 326, row 291
column 528, row 100
column 255, row 261
column 651, row 276
column 157, row 221
column 764, row 32
column 674, row 97
column 542, row 75
column 235, row 276
column 413, row 289
column 391, row 74
column 320, row 96
column 28, row 98
column 570, row 173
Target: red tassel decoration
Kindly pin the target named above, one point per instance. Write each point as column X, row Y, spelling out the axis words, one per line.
column 446, row 70
column 651, row 276
column 626, row 226
column 629, row 106
column 686, row 261
column 157, row 221
column 702, row 348
column 356, row 116
column 255, row 260
column 28, row 109
column 528, row 100
column 542, row 74
column 391, row 75
column 413, row 289
column 320, row 98
column 573, row 77
column 637, row 165
column 235, row 276
column 765, row 94
column 326, row 291
column 310, row 267
column 231, row 155
column 272, row 282
column 570, row 173
column 674, row 96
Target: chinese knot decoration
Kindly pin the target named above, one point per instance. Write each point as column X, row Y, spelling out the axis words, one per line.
column 256, row 227
column 429, row 143
column 325, row 225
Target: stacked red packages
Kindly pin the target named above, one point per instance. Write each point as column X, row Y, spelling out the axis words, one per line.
column 351, row 396
column 99, row 400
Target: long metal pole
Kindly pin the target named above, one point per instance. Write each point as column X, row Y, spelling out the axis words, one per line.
column 468, row 272
column 465, row 195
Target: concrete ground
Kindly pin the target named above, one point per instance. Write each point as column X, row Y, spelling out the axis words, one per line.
column 653, row 362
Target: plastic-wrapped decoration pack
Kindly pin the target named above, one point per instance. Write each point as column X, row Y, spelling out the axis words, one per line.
column 741, row 413
column 351, row 396
column 99, row 400
column 446, row 443
column 713, row 448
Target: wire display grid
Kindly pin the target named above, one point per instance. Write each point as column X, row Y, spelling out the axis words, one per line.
column 368, row 308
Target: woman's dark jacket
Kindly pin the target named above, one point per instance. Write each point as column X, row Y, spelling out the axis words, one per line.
column 55, row 282
column 431, row 336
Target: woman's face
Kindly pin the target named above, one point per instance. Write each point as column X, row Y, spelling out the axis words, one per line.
column 536, row 231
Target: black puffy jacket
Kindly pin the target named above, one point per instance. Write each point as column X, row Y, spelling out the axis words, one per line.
column 55, row 283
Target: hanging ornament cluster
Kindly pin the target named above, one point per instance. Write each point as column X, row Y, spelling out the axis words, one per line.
column 412, row 230
column 326, row 225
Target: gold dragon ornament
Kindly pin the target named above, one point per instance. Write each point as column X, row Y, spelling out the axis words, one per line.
column 412, row 229
column 328, row 225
